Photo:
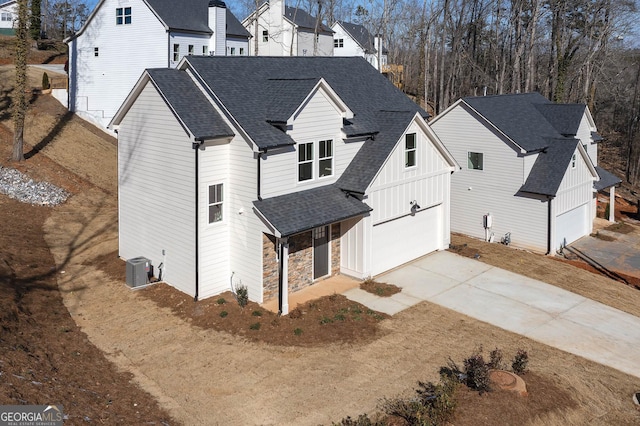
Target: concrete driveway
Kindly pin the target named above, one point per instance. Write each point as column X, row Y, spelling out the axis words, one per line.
column 522, row 305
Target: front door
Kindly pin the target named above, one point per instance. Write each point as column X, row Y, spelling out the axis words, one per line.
column 320, row 252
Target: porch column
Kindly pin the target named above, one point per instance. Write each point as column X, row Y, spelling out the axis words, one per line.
column 284, row 289
column 612, row 203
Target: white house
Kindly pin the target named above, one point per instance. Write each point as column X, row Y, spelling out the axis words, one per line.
column 332, row 170
column 530, row 165
column 287, row 31
column 8, row 14
column 122, row 38
column 355, row 40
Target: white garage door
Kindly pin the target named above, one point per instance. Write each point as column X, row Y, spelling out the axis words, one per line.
column 572, row 225
column 404, row 239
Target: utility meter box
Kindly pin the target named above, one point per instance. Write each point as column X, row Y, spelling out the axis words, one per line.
column 138, row 271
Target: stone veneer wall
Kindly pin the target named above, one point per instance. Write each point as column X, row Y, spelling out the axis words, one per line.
column 270, row 266
column 300, row 261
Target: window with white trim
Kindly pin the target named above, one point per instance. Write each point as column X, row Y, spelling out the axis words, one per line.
column 6, row 17
column 325, row 158
column 475, row 160
column 242, row 51
column 338, row 42
column 96, row 51
column 176, row 52
column 205, row 50
column 265, row 36
column 410, row 150
column 573, row 161
column 123, row 15
column 305, row 161
column 215, row 203
column 191, row 49
column 233, row 51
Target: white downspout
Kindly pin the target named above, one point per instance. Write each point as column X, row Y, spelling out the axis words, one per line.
column 612, row 204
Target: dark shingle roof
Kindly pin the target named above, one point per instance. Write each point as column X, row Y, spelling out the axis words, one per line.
column 300, row 211
column 181, row 94
column 248, row 87
column 303, row 20
column 607, row 179
column 185, row 15
column 362, row 36
column 565, row 118
column 235, row 28
column 550, row 167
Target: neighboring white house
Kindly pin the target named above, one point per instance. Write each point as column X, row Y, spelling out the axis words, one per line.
column 287, row 31
column 332, row 170
column 355, row 40
column 121, row 39
column 8, row 14
column 529, row 164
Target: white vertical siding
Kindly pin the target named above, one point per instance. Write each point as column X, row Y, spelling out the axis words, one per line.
column 584, row 134
column 318, row 120
column 575, row 188
column 475, row 193
column 102, row 82
column 156, row 190
column 352, row 248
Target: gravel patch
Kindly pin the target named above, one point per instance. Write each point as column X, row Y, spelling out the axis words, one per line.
column 24, row 189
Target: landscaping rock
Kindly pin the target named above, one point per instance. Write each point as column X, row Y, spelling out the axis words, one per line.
column 24, row 189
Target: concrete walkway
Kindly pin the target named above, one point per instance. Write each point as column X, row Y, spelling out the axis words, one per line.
column 522, row 305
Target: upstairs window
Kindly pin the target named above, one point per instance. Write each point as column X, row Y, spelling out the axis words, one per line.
column 410, row 150
column 96, row 51
column 233, row 51
column 6, row 17
column 573, row 161
column 338, row 42
column 242, row 51
column 265, row 36
column 215, row 203
column 325, row 158
column 123, row 15
column 191, row 49
column 305, row 161
column 205, row 50
column 176, row 52
column 475, row 161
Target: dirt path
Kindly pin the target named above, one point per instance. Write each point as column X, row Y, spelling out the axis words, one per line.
column 207, row 377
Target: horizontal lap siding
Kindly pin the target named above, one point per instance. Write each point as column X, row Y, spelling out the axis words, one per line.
column 184, row 40
column 318, row 120
column 475, row 193
column 103, row 82
column 156, row 175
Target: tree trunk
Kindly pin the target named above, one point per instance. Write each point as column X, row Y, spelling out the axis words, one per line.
column 19, row 91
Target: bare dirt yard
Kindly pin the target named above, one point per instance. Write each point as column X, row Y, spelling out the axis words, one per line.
column 73, row 333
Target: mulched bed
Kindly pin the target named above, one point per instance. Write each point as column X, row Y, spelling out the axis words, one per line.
column 380, row 289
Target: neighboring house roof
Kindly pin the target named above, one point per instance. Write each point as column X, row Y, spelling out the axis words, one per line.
column 234, row 27
column 181, row 95
column 607, row 179
column 550, row 167
column 362, row 36
column 299, row 211
column 303, row 20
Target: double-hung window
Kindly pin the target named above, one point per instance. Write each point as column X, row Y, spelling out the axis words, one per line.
column 6, row 17
column 123, row 15
column 325, row 158
column 305, row 161
column 475, row 161
column 265, row 36
column 176, row 52
column 215, row 203
column 191, row 49
column 410, row 150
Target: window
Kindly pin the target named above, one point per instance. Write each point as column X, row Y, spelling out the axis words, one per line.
column 205, row 50
column 191, row 49
column 573, row 161
column 233, row 51
column 6, row 17
column 410, row 150
column 96, row 51
column 215, row 203
column 325, row 158
column 475, row 161
column 305, row 161
column 265, row 36
column 123, row 15
column 304, row 52
column 176, row 52
column 242, row 51
column 338, row 42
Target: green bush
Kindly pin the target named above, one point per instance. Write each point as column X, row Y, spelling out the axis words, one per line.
column 45, row 81
column 256, row 313
column 221, row 301
column 297, row 331
column 362, row 420
column 224, row 314
column 255, row 326
column 339, row 317
column 326, row 320
column 520, row 362
column 242, row 295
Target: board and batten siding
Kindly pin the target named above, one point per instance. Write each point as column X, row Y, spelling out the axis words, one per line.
column 474, row 193
column 352, row 250
column 318, row 120
column 103, row 82
column 156, row 190
column 576, row 187
column 584, row 134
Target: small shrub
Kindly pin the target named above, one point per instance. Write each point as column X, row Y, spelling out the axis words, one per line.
column 326, row 320
column 356, row 309
column 221, row 301
column 256, row 313
column 242, row 295
column 362, row 420
column 45, row 81
column 295, row 314
column 477, row 372
column 520, row 362
column 495, row 359
column 255, row 326
column 224, row 314
column 339, row 317
column 297, row 331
